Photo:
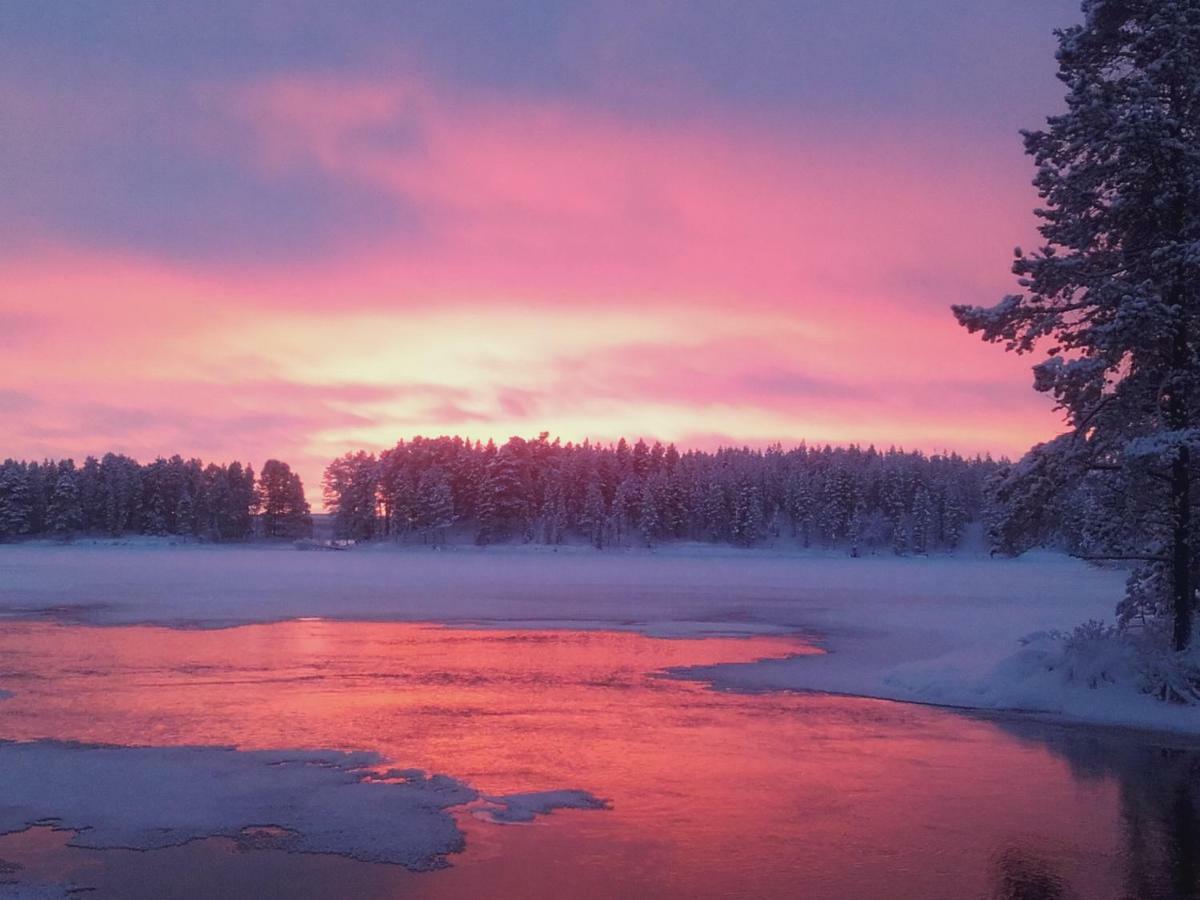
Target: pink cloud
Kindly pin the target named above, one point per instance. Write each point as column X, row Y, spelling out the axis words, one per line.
column 534, row 199
column 790, row 283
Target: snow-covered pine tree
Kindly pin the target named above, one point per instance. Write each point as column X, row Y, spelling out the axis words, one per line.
column 185, row 513
column 671, row 458
column 554, row 511
column 503, row 493
column 1113, row 296
column 837, row 504
column 401, row 500
column 858, row 528
column 716, row 512
column 800, row 507
column 14, row 499
column 216, row 480
column 954, row 517
column 64, row 515
column 350, row 487
column 243, row 502
column 922, row 521
column 435, row 503
column 894, row 498
column 639, row 458
column 154, row 520
column 90, row 494
column 625, row 508
column 675, row 512
column 121, row 493
column 38, row 494
column 748, row 523
column 595, row 513
column 649, row 508
column 299, row 517
column 622, row 456
column 285, row 512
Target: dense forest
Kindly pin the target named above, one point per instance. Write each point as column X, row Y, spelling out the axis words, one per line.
column 640, row 494
column 116, row 496
column 524, row 490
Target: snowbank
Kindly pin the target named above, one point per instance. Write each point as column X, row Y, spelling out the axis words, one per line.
column 1034, row 673
column 304, row 801
column 943, row 630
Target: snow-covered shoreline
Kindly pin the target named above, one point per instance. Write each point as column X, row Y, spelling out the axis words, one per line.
column 944, row 631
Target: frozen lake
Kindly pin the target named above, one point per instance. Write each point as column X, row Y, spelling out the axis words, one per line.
column 710, row 793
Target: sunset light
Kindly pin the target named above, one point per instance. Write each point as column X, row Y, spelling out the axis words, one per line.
column 600, row 449
column 302, row 257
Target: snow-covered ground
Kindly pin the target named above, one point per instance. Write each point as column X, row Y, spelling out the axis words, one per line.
column 942, row 630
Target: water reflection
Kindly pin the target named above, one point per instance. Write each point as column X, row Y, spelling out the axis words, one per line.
column 1158, row 783
column 714, row 794
column 1023, row 875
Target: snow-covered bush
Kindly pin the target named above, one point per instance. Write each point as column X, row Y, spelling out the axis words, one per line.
column 1096, row 655
column 1171, row 676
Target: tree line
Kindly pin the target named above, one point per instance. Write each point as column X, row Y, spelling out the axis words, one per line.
column 116, row 495
column 626, row 494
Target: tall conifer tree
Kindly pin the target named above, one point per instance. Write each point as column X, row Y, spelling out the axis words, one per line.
column 1112, row 298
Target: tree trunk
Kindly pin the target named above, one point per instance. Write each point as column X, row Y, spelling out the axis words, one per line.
column 1182, row 300
column 1182, row 581
column 1181, row 548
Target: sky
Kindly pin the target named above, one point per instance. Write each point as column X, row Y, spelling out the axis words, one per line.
column 292, row 228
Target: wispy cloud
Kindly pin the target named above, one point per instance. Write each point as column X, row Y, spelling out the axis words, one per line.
column 249, row 243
